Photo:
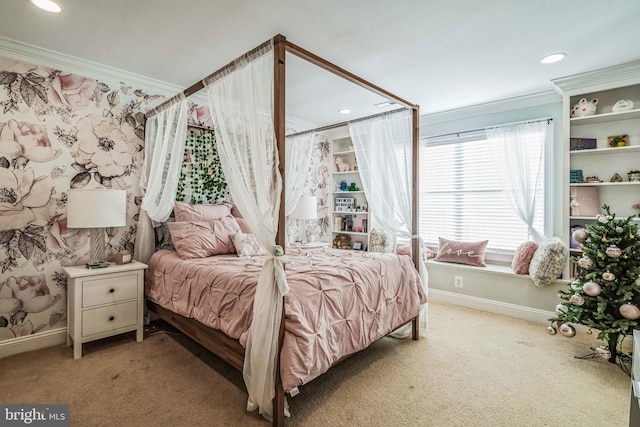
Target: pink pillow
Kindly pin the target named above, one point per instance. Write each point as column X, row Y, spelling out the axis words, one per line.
column 522, row 257
column 470, row 253
column 196, row 239
column 406, row 250
column 186, row 212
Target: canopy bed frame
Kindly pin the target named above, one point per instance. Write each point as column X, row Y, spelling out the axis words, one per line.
column 230, row 349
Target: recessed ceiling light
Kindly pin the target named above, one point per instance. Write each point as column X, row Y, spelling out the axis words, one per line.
column 385, row 104
column 48, row 5
column 554, row 57
column 344, row 111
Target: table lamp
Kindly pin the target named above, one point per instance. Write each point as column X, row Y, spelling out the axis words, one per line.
column 96, row 210
column 306, row 209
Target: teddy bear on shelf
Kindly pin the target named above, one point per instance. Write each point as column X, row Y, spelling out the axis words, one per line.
column 341, row 165
column 342, row 241
column 584, row 108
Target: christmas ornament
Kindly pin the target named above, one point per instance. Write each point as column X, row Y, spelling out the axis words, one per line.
column 638, row 281
column 613, row 252
column 619, row 230
column 566, row 330
column 603, row 351
column 576, row 286
column 604, row 239
column 629, row 311
column 580, row 235
column 576, row 299
column 561, row 309
column 603, row 219
column 585, row 262
column 551, row 330
column 609, row 277
column 589, row 331
column 591, row 289
column 609, row 217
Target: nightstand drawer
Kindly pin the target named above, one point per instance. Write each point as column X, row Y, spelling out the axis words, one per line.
column 109, row 318
column 109, row 290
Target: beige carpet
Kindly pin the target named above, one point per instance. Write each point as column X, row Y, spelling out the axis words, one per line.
column 473, row 369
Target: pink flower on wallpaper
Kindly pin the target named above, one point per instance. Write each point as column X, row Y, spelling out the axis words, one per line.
column 29, row 294
column 28, row 140
column 71, row 90
column 20, row 193
column 200, row 116
column 102, row 144
column 61, row 237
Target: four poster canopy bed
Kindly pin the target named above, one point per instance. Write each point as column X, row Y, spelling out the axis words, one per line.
column 282, row 319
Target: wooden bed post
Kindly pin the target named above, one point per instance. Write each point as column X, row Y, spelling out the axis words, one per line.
column 415, row 241
column 279, row 114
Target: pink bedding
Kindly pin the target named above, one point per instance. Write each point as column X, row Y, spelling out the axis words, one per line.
column 339, row 301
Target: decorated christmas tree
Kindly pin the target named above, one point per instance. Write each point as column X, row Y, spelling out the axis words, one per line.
column 605, row 295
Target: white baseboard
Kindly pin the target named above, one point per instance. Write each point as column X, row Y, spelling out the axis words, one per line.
column 491, row 306
column 33, row 342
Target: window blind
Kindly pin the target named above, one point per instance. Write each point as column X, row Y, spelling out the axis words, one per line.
column 461, row 197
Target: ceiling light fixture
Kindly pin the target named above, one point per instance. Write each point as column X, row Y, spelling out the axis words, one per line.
column 385, row 104
column 48, row 5
column 554, row 57
column 344, row 111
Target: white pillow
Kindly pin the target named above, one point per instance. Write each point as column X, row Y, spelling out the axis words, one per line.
column 548, row 261
column 246, row 244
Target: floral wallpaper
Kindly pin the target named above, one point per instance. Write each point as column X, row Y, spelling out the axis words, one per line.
column 317, row 184
column 58, row 131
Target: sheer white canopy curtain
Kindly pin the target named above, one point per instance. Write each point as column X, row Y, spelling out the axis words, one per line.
column 519, row 164
column 240, row 99
column 165, row 137
column 298, row 150
column 384, row 152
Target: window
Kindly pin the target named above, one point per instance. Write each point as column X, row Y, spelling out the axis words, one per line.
column 462, row 198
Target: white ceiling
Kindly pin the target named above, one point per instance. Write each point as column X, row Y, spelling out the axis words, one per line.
column 440, row 54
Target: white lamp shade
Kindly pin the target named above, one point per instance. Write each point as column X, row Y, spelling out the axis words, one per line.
column 96, row 208
column 307, row 208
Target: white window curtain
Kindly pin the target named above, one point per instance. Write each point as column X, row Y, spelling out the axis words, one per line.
column 240, row 99
column 165, row 137
column 384, row 153
column 297, row 160
column 518, row 156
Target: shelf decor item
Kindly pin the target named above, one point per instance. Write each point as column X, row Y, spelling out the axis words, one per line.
column 341, row 165
column 622, row 105
column 634, row 176
column 582, row 144
column 618, row 140
column 585, row 201
column 584, row 108
column 616, row 177
column 592, row 179
column 575, row 176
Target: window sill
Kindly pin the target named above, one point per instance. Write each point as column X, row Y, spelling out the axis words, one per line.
column 490, row 268
column 499, row 269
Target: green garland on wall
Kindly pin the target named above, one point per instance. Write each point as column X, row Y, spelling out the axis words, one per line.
column 201, row 178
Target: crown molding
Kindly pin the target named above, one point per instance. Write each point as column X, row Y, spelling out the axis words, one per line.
column 508, row 104
column 48, row 58
column 604, row 78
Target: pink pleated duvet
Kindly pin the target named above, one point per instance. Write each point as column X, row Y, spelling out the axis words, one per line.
column 339, row 301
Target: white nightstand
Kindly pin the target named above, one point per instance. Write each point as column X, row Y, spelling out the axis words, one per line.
column 104, row 302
